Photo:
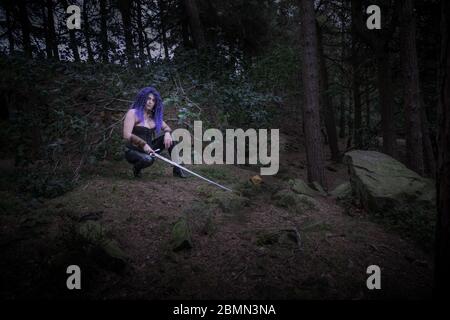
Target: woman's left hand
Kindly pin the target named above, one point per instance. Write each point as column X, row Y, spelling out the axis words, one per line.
column 167, row 140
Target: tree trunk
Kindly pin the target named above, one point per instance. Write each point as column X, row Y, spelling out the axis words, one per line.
column 185, row 32
column 104, row 31
column 367, row 98
column 356, row 80
column 429, row 158
column 10, row 27
column 442, row 254
column 140, row 31
column 125, row 11
column 310, row 79
column 342, row 94
column 26, row 27
column 162, row 20
column 51, row 30
column 385, row 96
column 72, row 37
column 48, row 46
column 195, row 24
column 414, row 143
column 342, row 115
column 87, row 31
column 327, row 105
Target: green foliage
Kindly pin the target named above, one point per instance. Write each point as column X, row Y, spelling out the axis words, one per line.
column 44, row 183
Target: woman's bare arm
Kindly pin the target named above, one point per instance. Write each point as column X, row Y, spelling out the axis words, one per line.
column 128, row 124
column 165, row 127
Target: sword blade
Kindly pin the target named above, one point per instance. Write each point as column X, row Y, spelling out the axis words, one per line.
column 191, row 172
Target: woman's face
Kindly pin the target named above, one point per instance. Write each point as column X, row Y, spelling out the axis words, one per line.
column 150, row 102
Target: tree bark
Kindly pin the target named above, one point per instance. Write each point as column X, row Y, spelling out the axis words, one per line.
column 414, row 143
column 104, row 31
column 367, row 98
column 342, row 94
column 26, row 29
column 356, row 80
column 385, row 95
column 342, row 115
column 72, row 36
column 194, row 23
column 327, row 105
column 51, row 29
column 162, row 20
column 9, row 26
column 125, row 11
column 442, row 253
column 429, row 158
column 310, row 79
column 140, row 31
column 87, row 31
column 48, row 46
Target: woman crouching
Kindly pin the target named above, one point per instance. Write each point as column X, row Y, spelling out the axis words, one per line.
column 145, row 131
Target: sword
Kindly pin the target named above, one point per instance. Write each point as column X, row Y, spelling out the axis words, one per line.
column 155, row 154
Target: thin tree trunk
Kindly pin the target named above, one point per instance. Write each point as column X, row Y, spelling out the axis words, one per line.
column 185, row 32
column 356, row 80
column 327, row 105
column 51, row 29
column 195, row 24
column 162, row 19
column 72, row 37
column 429, row 158
column 140, row 31
column 104, row 31
column 385, row 95
column 414, row 143
column 342, row 94
column 442, row 253
column 125, row 10
column 310, row 79
column 48, row 46
column 87, row 31
column 342, row 115
column 26, row 27
column 367, row 98
column 9, row 26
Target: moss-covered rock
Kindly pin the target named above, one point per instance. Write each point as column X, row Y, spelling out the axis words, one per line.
column 342, row 191
column 229, row 202
column 301, row 187
column 382, row 183
column 181, row 235
column 102, row 247
column 293, row 201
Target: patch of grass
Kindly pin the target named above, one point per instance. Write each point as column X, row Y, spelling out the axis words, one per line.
column 416, row 224
column 214, row 172
column 321, row 227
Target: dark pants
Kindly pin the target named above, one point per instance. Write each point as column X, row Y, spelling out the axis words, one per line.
column 142, row 160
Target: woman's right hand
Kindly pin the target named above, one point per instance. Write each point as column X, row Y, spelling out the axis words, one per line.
column 148, row 150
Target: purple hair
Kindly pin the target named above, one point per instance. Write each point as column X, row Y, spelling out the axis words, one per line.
column 139, row 105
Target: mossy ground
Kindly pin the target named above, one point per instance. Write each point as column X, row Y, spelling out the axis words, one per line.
column 239, row 249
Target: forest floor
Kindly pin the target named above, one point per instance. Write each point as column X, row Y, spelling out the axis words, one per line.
column 238, row 258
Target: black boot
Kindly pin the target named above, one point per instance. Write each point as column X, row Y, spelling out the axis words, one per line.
column 177, row 172
column 137, row 172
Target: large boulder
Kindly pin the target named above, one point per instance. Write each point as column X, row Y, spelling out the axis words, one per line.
column 383, row 184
